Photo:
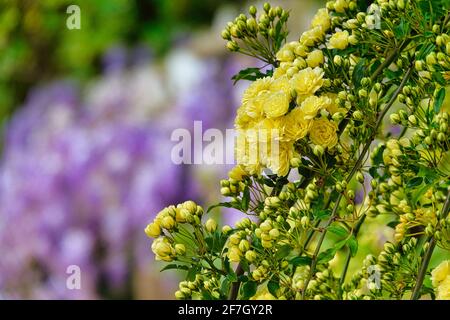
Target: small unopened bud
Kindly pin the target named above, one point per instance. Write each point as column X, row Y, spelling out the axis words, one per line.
column 395, row 118
column 180, row 249
column 318, row 150
column 211, row 225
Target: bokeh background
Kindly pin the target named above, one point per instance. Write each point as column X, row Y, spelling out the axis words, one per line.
column 85, row 123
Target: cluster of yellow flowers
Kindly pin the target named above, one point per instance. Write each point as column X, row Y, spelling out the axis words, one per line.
column 277, row 111
column 440, row 278
column 168, row 219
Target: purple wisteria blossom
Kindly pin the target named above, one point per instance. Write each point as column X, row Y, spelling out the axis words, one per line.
column 84, row 170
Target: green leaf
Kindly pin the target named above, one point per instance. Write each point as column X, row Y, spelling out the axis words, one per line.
column 444, row 164
column 174, row 266
column 191, row 274
column 340, row 244
column 283, row 251
column 338, row 230
column 222, row 204
column 418, row 193
column 245, row 266
column 392, row 224
column 249, row 289
column 401, row 29
column 300, row 261
column 326, row 256
column 352, row 244
column 250, row 74
column 273, row 286
column 225, row 286
column 321, row 214
column 414, row 182
column 232, row 277
column 439, row 78
column 439, row 100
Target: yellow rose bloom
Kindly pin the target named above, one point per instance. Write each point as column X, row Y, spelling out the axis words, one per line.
column 440, row 273
column 323, row 133
column 275, row 104
column 257, row 87
column 311, row 37
column 243, row 120
column 312, row 105
column 237, row 173
column 443, row 291
column 315, row 58
column 295, row 125
column 339, row 40
column 279, row 160
column 307, row 81
column 281, row 84
column 322, row 19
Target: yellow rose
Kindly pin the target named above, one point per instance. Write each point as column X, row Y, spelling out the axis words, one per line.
column 153, row 230
column 257, row 87
column 307, row 81
column 275, row 104
column 440, row 273
column 280, row 158
column 311, row 37
column 443, row 291
column 295, row 125
column 281, row 84
column 339, row 40
column 322, row 19
column 315, row 58
column 312, row 105
column 278, row 73
column 237, row 173
column 323, row 133
column 243, row 120
column 340, row 6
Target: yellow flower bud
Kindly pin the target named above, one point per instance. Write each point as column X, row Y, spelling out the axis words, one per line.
column 244, row 245
column 180, row 249
column 250, row 255
column 211, row 225
column 234, row 254
column 153, row 230
column 168, row 223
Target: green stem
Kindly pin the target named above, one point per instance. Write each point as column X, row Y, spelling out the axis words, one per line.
column 235, row 286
